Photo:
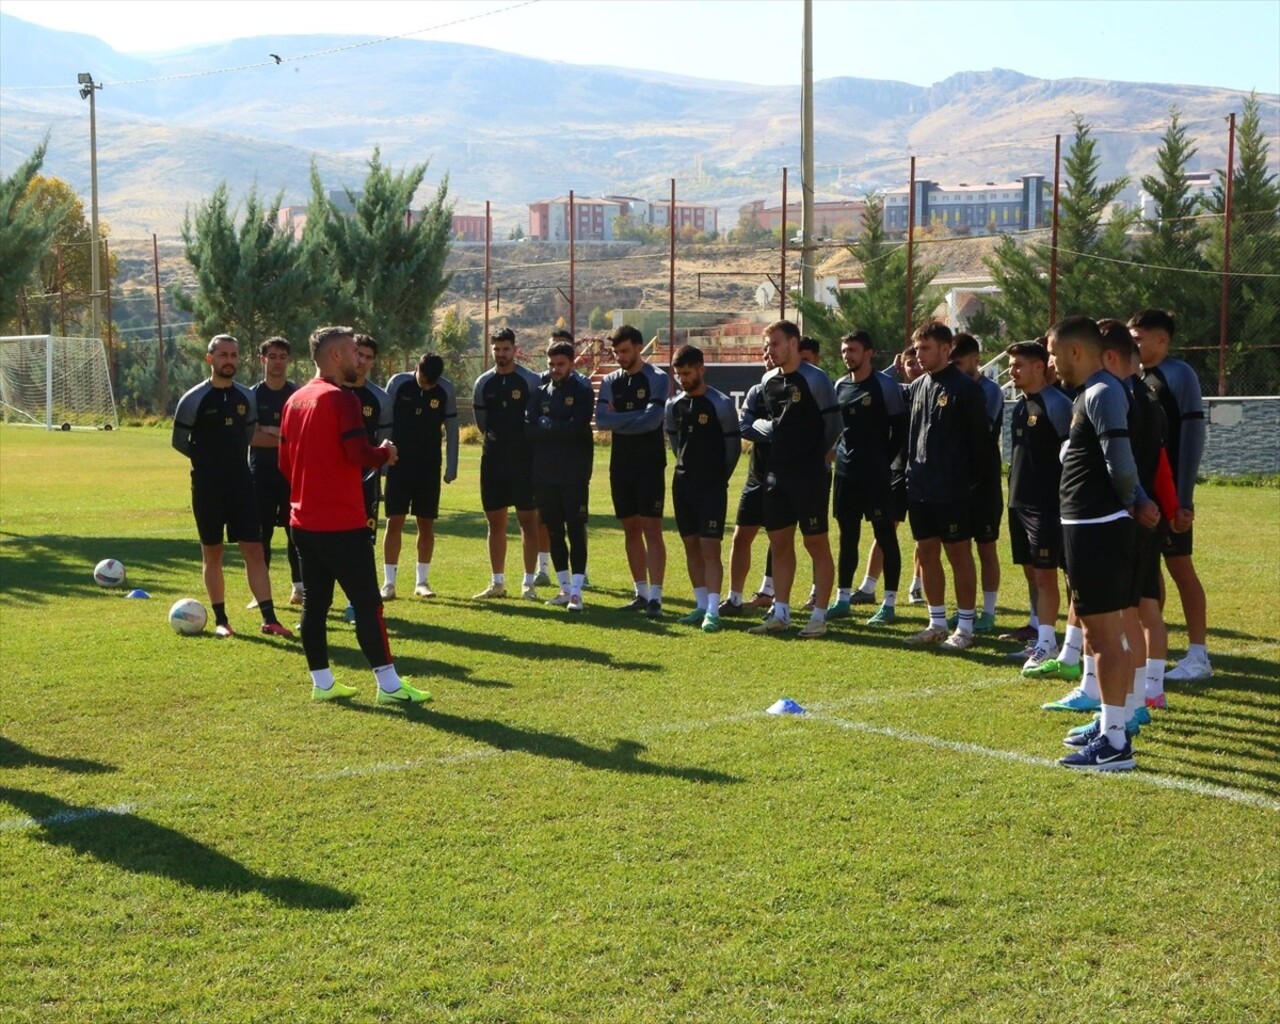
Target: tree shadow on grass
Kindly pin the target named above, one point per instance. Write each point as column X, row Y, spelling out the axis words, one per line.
column 1218, row 773
column 623, row 756
column 419, row 671
column 132, row 843
column 505, row 644
column 40, row 569
column 15, row 755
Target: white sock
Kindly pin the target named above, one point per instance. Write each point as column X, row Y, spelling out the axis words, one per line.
column 544, row 562
column 1033, row 620
column 713, row 602
column 1113, row 723
column 322, row 678
column 575, row 583
column 387, row 677
column 735, row 597
column 964, row 620
column 868, row 584
column 843, row 594
column 562, row 576
column 1198, row 652
column 1046, row 639
column 1136, row 697
column 813, row 592
column 782, row 611
column 818, row 615
column 424, row 568
column 642, row 588
column 389, row 574
column 766, row 586
column 890, row 598
column 989, row 602
column 916, row 584
column 700, row 598
column 1089, row 681
column 499, row 579
column 1072, row 645
column 297, row 587
column 529, row 577
column 655, row 592
column 938, row 616
column 1154, row 685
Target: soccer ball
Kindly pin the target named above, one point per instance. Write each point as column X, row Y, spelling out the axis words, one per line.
column 108, row 573
column 188, row 617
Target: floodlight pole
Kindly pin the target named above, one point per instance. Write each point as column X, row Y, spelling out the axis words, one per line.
column 806, row 159
column 88, row 90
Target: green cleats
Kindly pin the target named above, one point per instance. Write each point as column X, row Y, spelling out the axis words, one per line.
column 884, row 616
column 1055, row 669
column 405, row 695
column 711, row 623
column 984, row 623
column 338, row 691
column 839, row 610
column 694, row 618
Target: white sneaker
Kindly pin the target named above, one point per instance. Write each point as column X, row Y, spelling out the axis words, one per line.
column 422, row 590
column 575, row 603
column 560, row 600
column 958, row 641
column 1036, row 657
column 813, row 628
column 771, row 625
column 915, row 595
column 388, row 591
column 252, row 604
column 1189, row 669
column 528, row 592
column 492, row 590
column 296, row 597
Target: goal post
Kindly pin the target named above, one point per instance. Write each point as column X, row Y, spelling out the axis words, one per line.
column 56, row 383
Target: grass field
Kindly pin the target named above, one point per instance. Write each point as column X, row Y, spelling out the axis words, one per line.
column 595, row 821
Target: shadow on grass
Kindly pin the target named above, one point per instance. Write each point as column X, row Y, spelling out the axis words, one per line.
column 1218, row 773
column 418, row 671
column 15, row 755
column 505, row 644
column 39, row 569
column 623, row 756
column 134, row 844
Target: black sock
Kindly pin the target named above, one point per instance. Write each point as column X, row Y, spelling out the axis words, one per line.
column 268, row 610
column 220, row 614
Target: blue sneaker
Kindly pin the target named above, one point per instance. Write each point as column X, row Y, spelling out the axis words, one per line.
column 1083, row 735
column 1076, row 700
column 1101, row 756
column 349, row 614
column 838, row 610
column 1142, row 716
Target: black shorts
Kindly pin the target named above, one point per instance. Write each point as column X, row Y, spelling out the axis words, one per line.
column 413, row 489
column 232, row 503
column 272, row 490
column 945, row 521
column 801, row 501
column 860, row 498
column 751, row 506
column 1035, row 537
column 898, row 501
column 1147, row 563
column 700, row 511
column 988, row 510
column 503, row 487
column 1100, row 565
column 1176, row 544
column 562, row 503
column 638, row 492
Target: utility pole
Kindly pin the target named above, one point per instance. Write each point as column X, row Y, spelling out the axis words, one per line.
column 88, row 91
column 806, row 157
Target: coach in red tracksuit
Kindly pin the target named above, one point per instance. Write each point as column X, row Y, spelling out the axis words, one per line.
column 324, row 454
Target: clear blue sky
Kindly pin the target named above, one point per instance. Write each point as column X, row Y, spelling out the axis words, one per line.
column 1228, row 43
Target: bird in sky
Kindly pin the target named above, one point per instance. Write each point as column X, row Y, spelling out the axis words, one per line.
column 275, row 57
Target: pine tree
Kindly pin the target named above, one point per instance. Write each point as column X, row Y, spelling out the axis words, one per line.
column 25, row 231
column 251, row 281
column 384, row 264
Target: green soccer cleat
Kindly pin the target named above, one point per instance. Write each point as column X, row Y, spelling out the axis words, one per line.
column 405, row 695
column 1055, row 669
column 839, row 610
column 984, row 623
column 711, row 623
column 338, row 691
column 694, row 618
column 884, row 616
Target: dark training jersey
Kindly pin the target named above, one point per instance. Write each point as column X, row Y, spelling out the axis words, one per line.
column 754, row 426
column 420, row 419
column 375, row 411
column 1177, row 388
column 874, row 425
column 501, row 402
column 559, row 425
column 806, row 421
column 950, row 439
column 1148, row 432
column 631, row 405
column 1038, row 426
column 270, row 402
column 703, row 431
column 1099, row 476
column 212, row 427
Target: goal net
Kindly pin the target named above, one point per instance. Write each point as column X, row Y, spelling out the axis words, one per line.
column 56, row 383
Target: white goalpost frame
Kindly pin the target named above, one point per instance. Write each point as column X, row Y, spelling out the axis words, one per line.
column 108, row 415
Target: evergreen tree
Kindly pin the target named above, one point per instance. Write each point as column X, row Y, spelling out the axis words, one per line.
column 384, row 264
column 251, row 281
column 453, row 341
column 879, row 306
column 25, row 231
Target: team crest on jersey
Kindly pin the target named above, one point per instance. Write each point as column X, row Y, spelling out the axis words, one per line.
column 242, row 408
column 640, row 392
column 568, row 400
column 795, row 394
column 367, row 411
column 943, row 400
column 515, row 392
column 866, row 399
column 1031, row 420
column 435, row 403
column 546, row 408
column 703, row 419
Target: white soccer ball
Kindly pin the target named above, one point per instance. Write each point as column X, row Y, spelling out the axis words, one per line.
column 188, row 617
column 108, row 573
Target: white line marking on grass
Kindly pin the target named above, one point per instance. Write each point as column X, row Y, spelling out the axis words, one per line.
column 407, row 766
column 959, row 747
column 67, row 817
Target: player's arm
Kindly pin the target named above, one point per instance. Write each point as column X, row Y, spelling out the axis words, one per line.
column 477, row 403
column 450, row 431
column 606, row 418
column 753, row 424
column 899, row 419
column 978, row 430
column 728, row 418
column 1108, row 411
column 669, row 424
column 184, row 420
column 1185, row 386
column 651, row 416
column 351, row 432
column 824, row 394
column 251, row 414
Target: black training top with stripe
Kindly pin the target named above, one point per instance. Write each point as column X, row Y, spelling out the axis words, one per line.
column 1038, row 426
column 420, row 419
column 559, row 425
column 1148, row 431
column 1178, row 389
column 704, row 436
column 874, row 425
column 754, row 426
column 1099, row 477
column 631, row 405
column 270, row 402
column 212, row 427
column 501, row 403
column 949, row 446
column 806, row 421
column 375, row 411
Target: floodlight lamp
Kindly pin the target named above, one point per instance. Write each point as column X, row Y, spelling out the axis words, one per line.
column 84, row 91
column 84, row 78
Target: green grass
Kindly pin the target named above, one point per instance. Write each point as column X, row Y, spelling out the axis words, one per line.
column 595, row 821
